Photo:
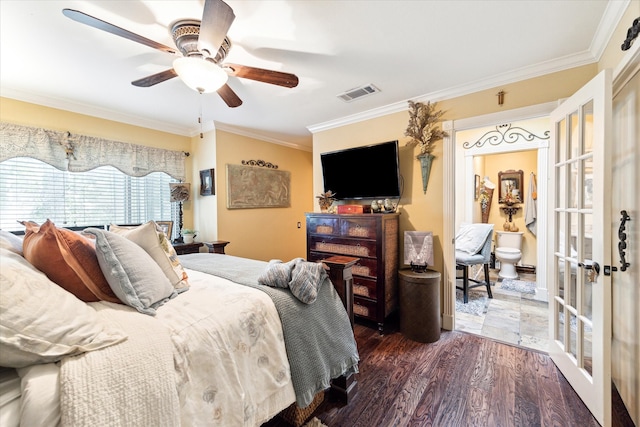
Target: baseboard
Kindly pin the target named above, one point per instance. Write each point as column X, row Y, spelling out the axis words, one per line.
column 526, row 269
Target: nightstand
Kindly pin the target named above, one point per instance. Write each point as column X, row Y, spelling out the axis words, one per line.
column 187, row 248
column 216, row 247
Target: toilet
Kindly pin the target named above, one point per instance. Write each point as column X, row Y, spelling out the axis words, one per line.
column 508, row 244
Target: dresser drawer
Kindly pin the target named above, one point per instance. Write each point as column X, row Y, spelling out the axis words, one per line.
column 358, row 227
column 364, row 287
column 354, row 248
column 366, row 267
column 364, row 308
column 323, row 226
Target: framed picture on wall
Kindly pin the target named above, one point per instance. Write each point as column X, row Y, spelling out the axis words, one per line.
column 207, row 187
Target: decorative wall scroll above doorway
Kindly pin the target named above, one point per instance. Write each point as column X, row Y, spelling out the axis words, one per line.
column 257, row 184
column 507, row 134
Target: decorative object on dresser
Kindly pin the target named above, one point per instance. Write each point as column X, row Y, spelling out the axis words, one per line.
column 207, row 183
column 423, row 132
column 325, row 200
column 352, row 209
column 187, row 248
column 257, row 184
column 216, row 247
column 418, row 250
column 180, row 192
column 373, row 238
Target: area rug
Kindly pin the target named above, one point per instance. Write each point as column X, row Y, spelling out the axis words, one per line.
column 518, row 286
column 315, row 422
column 477, row 305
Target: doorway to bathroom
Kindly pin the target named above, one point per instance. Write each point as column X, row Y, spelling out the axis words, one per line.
column 486, row 155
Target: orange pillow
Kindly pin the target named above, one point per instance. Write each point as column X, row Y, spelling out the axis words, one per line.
column 68, row 259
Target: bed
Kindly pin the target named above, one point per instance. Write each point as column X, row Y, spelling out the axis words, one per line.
column 216, row 347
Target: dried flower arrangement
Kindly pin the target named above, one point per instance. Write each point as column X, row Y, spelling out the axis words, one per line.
column 422, row 128
column 325, row 200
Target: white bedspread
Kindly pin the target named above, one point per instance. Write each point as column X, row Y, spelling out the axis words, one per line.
column 213, row 356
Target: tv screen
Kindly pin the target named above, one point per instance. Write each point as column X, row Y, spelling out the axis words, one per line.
column 370, row 172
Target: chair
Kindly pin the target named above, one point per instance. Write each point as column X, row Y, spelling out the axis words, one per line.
column 473, row 247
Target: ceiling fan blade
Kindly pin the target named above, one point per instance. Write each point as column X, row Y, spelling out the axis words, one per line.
column 217, row 18
column 91, row 21
column 229, row 96
column 155, row 78
column 262, row 75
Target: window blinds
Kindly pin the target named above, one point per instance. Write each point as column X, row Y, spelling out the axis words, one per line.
column 33, row 190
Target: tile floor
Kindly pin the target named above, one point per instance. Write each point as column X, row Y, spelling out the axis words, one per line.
column 511, row 317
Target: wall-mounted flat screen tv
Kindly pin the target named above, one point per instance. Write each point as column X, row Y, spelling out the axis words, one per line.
column 369, row 172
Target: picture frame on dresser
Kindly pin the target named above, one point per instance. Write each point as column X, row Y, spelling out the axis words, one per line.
column 167, row 227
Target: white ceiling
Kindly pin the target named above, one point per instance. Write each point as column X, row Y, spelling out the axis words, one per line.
column 426, row 50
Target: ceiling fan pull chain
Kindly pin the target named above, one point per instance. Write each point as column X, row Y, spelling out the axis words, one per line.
column 200, row 117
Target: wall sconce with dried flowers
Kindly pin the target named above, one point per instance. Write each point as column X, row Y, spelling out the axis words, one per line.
column 424, row 132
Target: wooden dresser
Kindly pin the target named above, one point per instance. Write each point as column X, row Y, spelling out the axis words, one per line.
column 373, row 238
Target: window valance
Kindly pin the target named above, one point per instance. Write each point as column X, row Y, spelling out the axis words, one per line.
column 79, row 153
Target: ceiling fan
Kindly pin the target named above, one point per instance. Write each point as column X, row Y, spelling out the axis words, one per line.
column 202, row 49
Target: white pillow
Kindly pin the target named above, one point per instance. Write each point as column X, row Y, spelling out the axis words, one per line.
column 156, row 244
column 133, row 275
column 11, row 241
column 40, row 322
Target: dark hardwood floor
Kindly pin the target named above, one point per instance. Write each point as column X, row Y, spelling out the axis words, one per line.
column 460, row 380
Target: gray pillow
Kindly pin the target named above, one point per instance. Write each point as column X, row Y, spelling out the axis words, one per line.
column 132, row 274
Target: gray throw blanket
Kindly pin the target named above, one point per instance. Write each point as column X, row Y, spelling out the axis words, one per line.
column 303, row 278
column 318, row 337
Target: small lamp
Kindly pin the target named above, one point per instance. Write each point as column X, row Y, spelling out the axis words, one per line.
column 180, row 192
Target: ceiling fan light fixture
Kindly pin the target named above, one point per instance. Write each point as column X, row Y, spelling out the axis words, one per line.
column 199, row 74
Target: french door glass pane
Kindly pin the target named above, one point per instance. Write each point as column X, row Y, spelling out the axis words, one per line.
column 574, row 135
column 559, row 332
column 573, row 341
column 561, row 146
column 587, row 144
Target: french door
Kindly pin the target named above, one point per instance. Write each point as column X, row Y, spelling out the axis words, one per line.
column 580, row 232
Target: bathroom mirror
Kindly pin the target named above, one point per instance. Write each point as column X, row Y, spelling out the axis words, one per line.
column 510, row 184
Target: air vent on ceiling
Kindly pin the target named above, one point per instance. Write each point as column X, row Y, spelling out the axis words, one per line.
column 358, row 92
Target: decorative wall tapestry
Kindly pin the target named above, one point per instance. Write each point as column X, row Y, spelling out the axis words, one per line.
column 259, row 186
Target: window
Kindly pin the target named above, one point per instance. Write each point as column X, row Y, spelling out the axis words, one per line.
column 33, row 190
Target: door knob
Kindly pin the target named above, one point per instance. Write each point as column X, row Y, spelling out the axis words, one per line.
column 593, row 269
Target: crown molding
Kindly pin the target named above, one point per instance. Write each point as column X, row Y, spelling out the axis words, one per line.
column 610, row 19
column 93, row 111
column 243, row 132
column 525, row 73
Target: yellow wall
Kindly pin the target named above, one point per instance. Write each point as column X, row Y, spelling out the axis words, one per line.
column 527, row 161
column 263, row 233
column 253, row 233
column 27, row 114
column 424, row 211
